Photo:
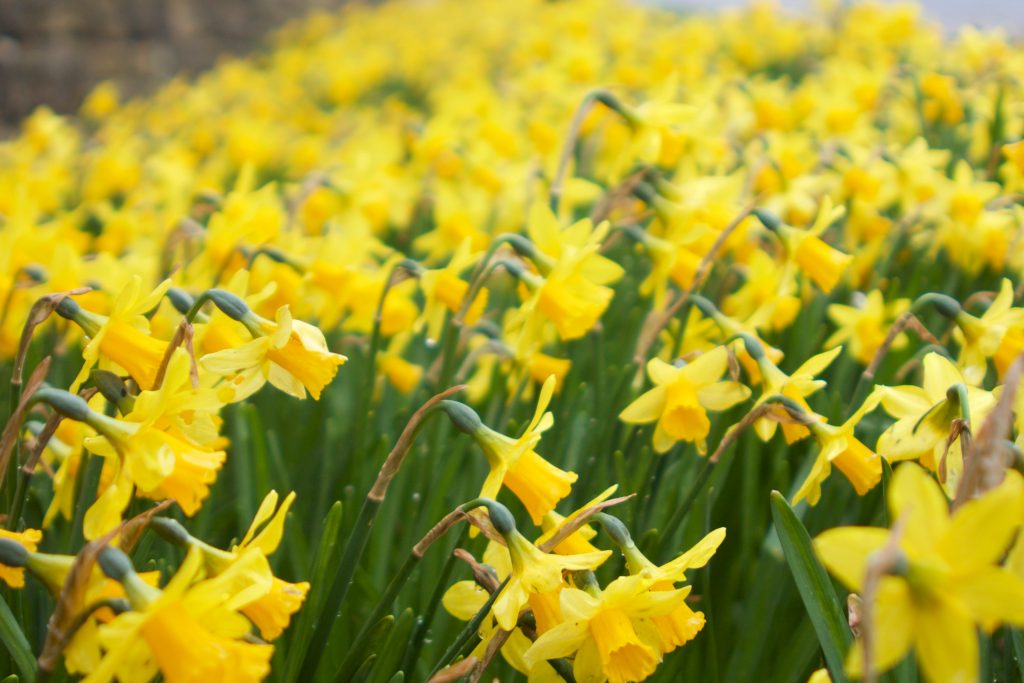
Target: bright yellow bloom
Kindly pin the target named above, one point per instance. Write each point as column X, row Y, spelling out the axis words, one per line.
column 947, row 580
column 464, row 599
column 605, row 629
column 445, row 290
column 981, row 338
column 682, row 397
column 292, row 355
column 821, row 262
column 682, row 624
column 924, row 418
column 535, row 572
column 272, row 611
column 515, row 464
column 121, row 340
column 571, row 292
column 189, row 632
column 838, row 446
column 865, row 326
column 167, row 446
column 797, row 387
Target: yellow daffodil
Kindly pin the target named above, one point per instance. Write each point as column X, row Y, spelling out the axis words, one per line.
column 515, row 464
column 946, row 580
column 981, row 337
column 796, row 386
column 189, row 631
column 924, row 417
column 682, row 397
column 464, row 599
column 534, row 573
column 681, row 625
column 605, row 629
column 445, row 290
column 840, row 447
column 121, row 340
column 290, row 354
column 865, row 326
column 821, row 262
column 271, row 611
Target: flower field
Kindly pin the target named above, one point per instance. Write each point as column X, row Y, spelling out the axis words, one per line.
column 541, row 341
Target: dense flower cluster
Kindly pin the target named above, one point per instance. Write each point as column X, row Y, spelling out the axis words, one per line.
column 745, row 209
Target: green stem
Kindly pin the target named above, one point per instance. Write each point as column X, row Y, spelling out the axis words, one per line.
column 684, row 508
column 356, row 651
column 471, row 628
column 339, row 591
column 420, row 633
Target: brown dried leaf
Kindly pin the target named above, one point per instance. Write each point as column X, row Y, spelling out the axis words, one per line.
column 574, row 524
column 454, row 672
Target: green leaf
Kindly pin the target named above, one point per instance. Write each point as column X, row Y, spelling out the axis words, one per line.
column 390, row 655
column 1017, row 640
column 815, row 587
column 323, row 567
column 17, row 643
column 374, row 646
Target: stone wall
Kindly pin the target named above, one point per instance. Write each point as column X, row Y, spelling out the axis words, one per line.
column 53, row 51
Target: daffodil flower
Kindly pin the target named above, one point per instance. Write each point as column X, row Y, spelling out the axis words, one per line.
column 840, row 447
column 290, row 354
column 682, row 624
column 154, row 449
column 515, row 464
column 272, row 610
column 821, row 262
column 797, row 387
column 607, row 630
column 865, row 326
column 189, row 631
column 464, row 599
column 681, row 398
column 571, row 292
column 981, row 338
column 924, row 418
column 121, row 340
column 535, row 573
column 947, row 580
column 445, row 290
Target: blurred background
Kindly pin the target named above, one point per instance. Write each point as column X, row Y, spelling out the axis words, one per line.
column 54, row 51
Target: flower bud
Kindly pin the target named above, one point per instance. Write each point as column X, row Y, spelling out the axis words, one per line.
column 768, row 219
column 501, row 518
column 462, row 416
column 615, row 530
column 64, row 402
column 180, row 299
column 115, row 564
column 170, row 530
column 12, row 553
column 113, row 389
column 232, row 305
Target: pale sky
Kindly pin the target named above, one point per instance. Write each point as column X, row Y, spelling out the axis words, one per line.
column 1008, row 14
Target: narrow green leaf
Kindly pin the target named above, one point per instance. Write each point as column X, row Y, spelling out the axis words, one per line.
column 1017, row 639
column 324, row 566
column 468, row 632
column 17, row 643
column 389, row 656
column 814, row 585
column 374, row 645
